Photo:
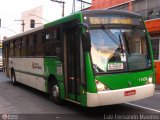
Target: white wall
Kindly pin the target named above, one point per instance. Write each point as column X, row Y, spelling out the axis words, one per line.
column 32, row 14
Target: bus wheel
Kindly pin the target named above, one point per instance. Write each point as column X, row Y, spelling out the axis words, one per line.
column 54, row 93
column 13, row 78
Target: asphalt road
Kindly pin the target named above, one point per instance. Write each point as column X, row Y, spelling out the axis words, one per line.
column 24, row 103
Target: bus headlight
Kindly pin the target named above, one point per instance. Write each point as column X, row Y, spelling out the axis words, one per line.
column 150, row 80
column 100, row 86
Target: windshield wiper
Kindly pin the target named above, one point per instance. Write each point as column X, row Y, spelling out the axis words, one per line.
column 114, row 38
column 111, row 35
column 121, row 46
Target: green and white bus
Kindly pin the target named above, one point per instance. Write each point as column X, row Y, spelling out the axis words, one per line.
column 92, row 58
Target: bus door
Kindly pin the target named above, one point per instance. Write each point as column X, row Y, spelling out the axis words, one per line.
column 72, row 63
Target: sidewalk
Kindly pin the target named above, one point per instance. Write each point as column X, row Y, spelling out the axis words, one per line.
column 7, row 108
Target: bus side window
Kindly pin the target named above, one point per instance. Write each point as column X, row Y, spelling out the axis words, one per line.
column 17, row 50
column 30, row 47
column 27, row 44
column 47, row 37
column 52, row 46
column 58, row 47
column 49, row 44
column 20, row 46
column 39, row 45
column 24, row 47
column 19, row 42
column 11, row 50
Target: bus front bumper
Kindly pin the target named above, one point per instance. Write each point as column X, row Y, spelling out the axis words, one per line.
column 119, row 96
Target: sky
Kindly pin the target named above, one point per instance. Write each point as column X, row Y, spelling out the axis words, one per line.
column 10, row 10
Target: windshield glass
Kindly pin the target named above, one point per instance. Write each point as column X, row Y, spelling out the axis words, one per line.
column 119, row 50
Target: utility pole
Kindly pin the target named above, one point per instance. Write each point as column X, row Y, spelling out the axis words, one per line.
column 23, row 24
column 73, row 6
column 62, row 5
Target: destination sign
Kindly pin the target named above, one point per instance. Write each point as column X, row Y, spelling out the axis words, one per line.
column 113, row 20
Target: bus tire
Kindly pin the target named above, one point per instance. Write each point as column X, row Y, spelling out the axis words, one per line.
column 54, row 93
column 13, row 78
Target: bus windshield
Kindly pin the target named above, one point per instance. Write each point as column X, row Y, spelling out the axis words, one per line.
column 119, row 50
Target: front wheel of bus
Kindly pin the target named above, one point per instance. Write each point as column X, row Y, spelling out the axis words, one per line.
column 13, row 78
column 54, row 93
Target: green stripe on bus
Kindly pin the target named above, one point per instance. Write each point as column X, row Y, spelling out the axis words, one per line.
column 33, row 74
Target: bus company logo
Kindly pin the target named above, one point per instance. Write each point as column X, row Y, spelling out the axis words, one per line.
column 36, row 65
column 4, row 116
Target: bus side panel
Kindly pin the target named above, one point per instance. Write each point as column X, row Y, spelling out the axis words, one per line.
column 29, row 71
column 53, row 66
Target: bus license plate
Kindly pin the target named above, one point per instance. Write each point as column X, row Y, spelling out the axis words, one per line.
column 129, row 93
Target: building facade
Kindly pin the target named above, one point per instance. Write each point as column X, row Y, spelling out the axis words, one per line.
column 40, row 15
column 30, row 17
column 105, row 4
column 149, row 9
